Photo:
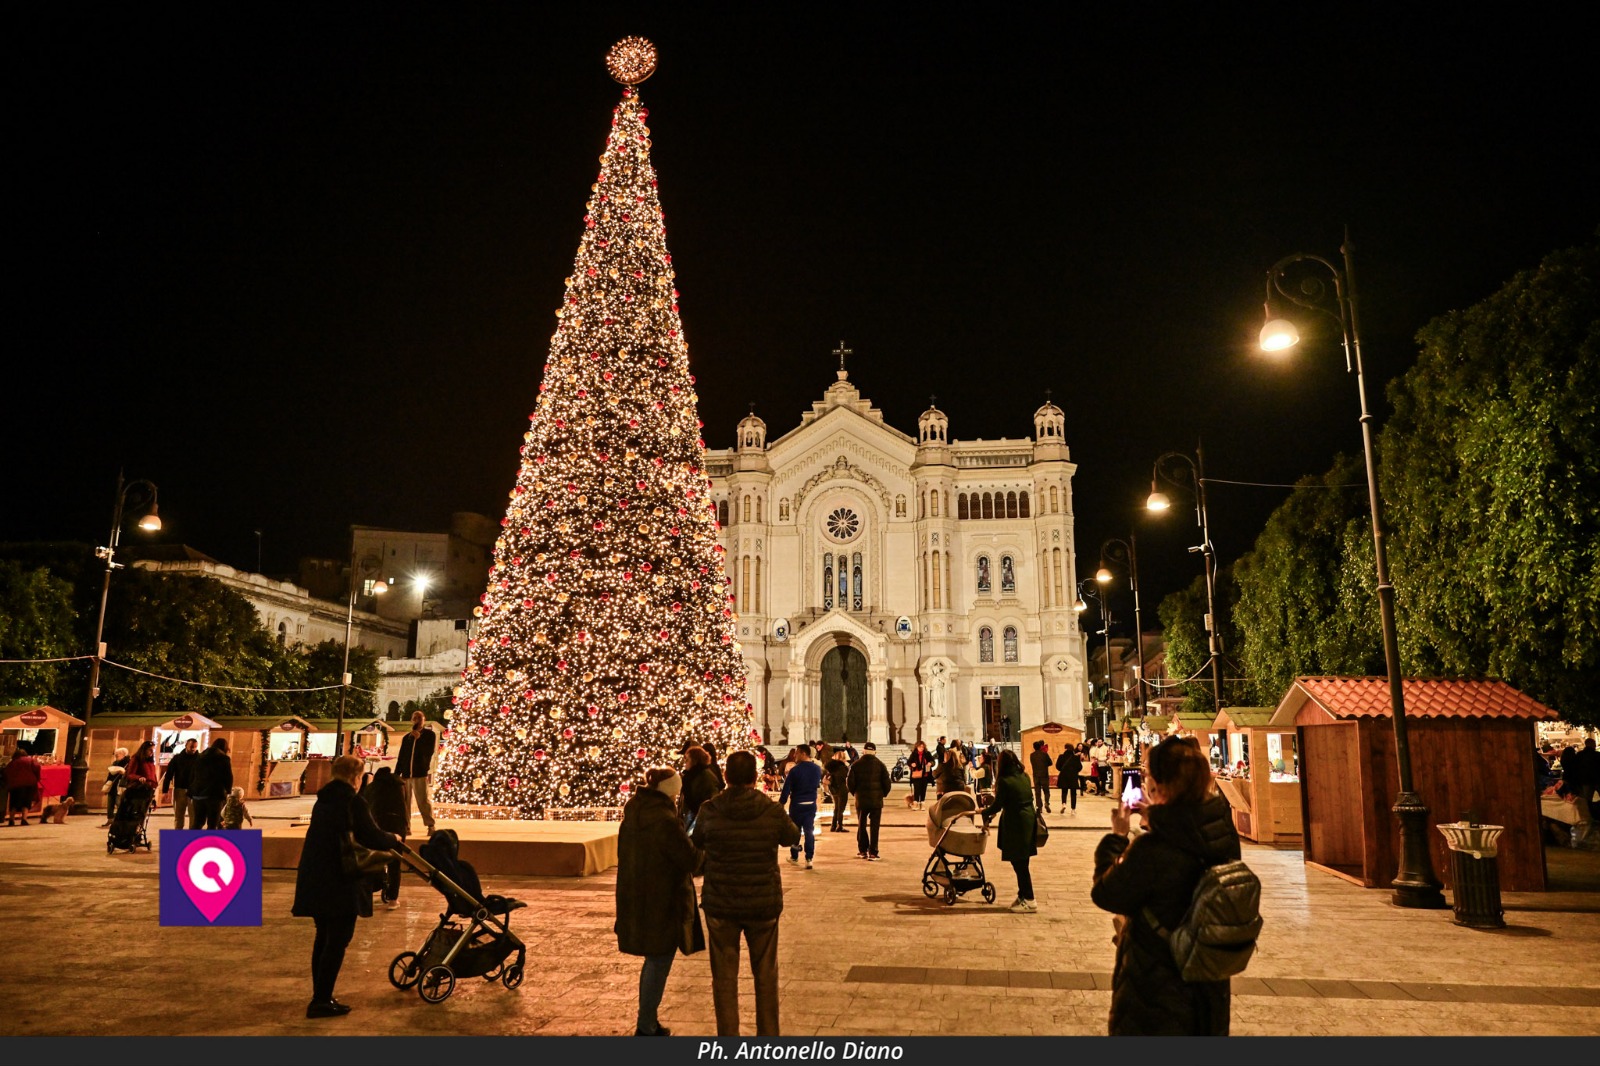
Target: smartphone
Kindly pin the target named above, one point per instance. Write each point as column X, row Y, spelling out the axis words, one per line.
column 1132, row 794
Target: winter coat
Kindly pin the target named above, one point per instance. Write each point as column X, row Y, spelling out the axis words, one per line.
column 699, row 785
column 1039, row 763
column 951, row 778
column 385, row 797
column 213, row 775
column 921, row 760
column 655, row 864
column 22, row 772
column 801, row 784
column 180, row 770
column 1069, row 767
column 1159, row 870
column 141, row 770
column 322, row 888
column 838, row 778
column 869, row 783
column 740, row 831
column 416, row 753
column 1013, row 800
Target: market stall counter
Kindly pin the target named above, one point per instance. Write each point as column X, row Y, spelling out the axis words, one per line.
column 108, row 732
column 364, row 735
column 268, row 753
column 43, row 730
column 1260, row 776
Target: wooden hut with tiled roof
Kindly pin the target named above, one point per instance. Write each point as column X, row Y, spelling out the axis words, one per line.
column 1471, row 750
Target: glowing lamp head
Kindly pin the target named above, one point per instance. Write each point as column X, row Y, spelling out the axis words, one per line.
column 151, row 523
column 422, row 584
column 1279, row 335
column 379, row 587
column 1103, row 576
column 1080, row 606
column 1157, row 502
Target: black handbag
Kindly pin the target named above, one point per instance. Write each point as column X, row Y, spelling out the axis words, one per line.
column 692, row 937
column 1041, row 831
column 361, row 861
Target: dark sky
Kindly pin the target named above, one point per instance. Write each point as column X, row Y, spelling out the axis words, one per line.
column 299, row 265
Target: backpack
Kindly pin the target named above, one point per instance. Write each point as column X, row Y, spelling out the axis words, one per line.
column 1219, row 931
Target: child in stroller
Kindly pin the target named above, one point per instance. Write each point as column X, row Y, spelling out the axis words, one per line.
column 473, row 937
column 129, row 828
column 956, row 865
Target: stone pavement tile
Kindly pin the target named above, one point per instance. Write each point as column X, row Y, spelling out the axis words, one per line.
column 1065, row 980
column 1383, row 990
column 1335, row 989
column 1291, row 986
column 1251, row 986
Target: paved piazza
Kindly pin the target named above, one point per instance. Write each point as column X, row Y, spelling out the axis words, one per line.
column 861, row 953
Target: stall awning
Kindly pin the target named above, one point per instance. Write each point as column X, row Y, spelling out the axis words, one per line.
column 291, row 723
column 40, row 717
column 1194, row 722
column 1242, row 718
column 164, row 720
column 351, row 725
column 1368, row 697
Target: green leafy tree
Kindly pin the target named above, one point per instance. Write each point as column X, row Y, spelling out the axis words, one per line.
column 1183, row 629
column 36, row 622
column 1307, row 603
column 432, row 705
column 1491, row 474
column 324, row 665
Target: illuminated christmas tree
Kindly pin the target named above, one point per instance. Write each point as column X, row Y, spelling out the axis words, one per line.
column 607, row 633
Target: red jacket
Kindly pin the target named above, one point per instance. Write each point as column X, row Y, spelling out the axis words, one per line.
column 142, row 769
column 22, row 772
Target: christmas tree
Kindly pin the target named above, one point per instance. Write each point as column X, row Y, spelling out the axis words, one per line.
column 607, row 632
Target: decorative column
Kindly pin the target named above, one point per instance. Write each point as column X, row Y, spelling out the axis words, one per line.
column 795, row 720
column 877, row 705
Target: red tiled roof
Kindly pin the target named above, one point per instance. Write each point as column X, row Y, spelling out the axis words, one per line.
column 1368, row 697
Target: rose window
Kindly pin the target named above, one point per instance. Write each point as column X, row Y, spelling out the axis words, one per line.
column 843, row 524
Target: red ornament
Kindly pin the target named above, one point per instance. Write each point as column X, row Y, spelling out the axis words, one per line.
column 538, row 753
column 483, row 730
column 513, row 782
column 567, row 733
column 642, row 753
column 561, row 665
column 461, row 749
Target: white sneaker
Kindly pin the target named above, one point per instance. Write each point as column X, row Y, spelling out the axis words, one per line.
column 808, row 864
column 795, row 859
column 1024, row 906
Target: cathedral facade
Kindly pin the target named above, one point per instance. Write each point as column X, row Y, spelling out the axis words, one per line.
column 896, row 588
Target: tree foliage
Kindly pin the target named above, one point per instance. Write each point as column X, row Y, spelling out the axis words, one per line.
column 1491, row 474
column 36, row 622
column 1183, row 628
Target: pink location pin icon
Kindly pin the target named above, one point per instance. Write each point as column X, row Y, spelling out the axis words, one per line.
column 211, row 870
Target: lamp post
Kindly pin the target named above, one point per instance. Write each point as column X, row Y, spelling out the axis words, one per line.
column 1086, row 592
column 1415, row 884
column 1117, row 550
column 1158, row 503
column 379, row 587
column 143, row 492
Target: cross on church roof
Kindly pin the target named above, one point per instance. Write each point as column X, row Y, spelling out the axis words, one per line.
column 841, row 352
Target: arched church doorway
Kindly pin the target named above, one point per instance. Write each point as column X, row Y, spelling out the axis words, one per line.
column 844, row 695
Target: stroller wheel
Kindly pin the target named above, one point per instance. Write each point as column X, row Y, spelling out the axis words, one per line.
column 988, row 892
column 950, row 897
column 494, row 974
column 110, row 848
column 404, row 971
column 930, row 889
column 437, row 984
column 513, row 976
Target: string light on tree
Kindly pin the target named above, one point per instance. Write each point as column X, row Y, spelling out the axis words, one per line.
column 607, row 628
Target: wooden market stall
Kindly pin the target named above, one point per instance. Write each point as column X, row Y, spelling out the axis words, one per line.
column 1471, row 750
column 108, row 732
column 1057, row 738
column 268, row 753
column 366, row 735
column 1192, row 724
column 44, row 730
column 1266, row 796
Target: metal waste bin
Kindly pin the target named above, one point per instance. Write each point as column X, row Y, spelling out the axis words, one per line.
column 1475, row 873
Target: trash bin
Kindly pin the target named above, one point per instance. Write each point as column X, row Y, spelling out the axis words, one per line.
column 1475, row 873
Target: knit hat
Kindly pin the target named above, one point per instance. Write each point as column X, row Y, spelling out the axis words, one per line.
column 670, row 786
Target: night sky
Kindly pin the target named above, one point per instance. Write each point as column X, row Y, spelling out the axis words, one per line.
column 299, row 266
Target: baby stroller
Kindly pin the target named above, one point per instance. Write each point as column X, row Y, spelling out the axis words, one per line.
column 473, row 937
column 129, row 828
column 956, row 865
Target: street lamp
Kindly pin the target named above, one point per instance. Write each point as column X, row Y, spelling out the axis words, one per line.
column 1415, row 884
column 1117, row 550
column 143, row 493
column 1158, row 502
column 379, row 587
column 1088, row 592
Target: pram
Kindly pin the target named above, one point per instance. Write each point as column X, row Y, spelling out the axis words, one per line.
column 959, row 841
column 129, row 829
column 473, row 937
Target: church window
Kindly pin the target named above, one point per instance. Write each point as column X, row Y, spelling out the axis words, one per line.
column 961, row 507
column 933, row 511
column 827, row 581
column 988, row 505
column 1055, row 503
column 844, row 581
column 986, row 645
column 1010, row 644
column 1056, row 554
column 949, row 586
column 900, row 506
column 983, row 575
column 947, row 511
column 283, row 634
column 924, row 581
column 746, row 516
column 922, row 505
column 843, row 523
column 855, row 582
column 1022, row 503
column 756, row 599
column 938, row 600
column 783, row 509
column 758, row 508
column 744, row 585
column 1011, row 505
column 1008, row 575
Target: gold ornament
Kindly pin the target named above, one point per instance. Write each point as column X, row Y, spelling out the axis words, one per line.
column 631, row 60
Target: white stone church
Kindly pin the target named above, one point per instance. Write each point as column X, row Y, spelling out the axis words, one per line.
column 895, row 588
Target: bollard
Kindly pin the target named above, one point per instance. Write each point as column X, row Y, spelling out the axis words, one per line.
column 1475, row 874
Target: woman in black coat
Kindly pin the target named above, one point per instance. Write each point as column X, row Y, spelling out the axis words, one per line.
column 1189, row 827
column 323, row 890
column 656, row 913
column 385, row 797
column 700, row 782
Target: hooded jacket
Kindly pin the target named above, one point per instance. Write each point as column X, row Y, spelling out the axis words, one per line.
column 655, row 895
column 740, row 831
column 1160, row 870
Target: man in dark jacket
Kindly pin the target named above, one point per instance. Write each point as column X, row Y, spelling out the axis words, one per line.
column 209, row 784
column 655, row 891
column 414, row 765
column 1068, row 767
column 800, row 789
column 869, row 783
column 1039, row 764
column 177, row 776
column 740, row 831
column 323, row 890
column 838, row 788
